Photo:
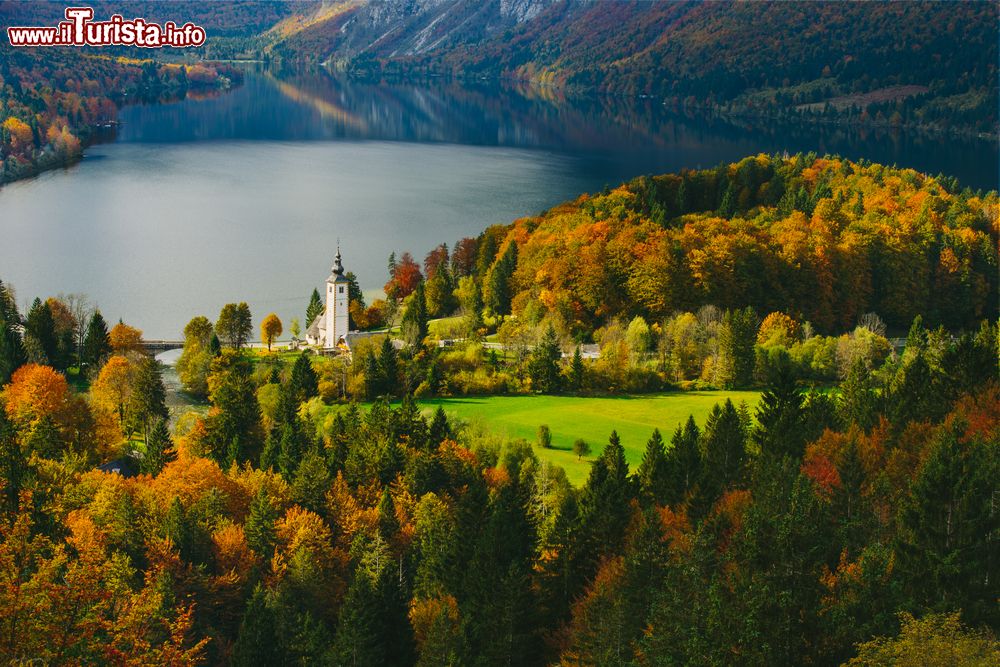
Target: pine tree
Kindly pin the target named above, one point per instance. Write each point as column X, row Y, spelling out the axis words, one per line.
column 13, row 466
column 724, row 453
column 177, row 529
column 147, row 401
column 413, row 326
column 158, row 444
column 257, row 644
column 11, row 347
column 736, row 348
column 373, row 376
column 311, row 482
column 303, row 382
column 499, row 280
column 780, row 416
column 652, row 472
column 683, row 463
column 440, row 430
column 947, row 549
column 388, row 369
column 604, row 505
column 577, row 371
column 858, row 402
column 259, row 527
column 40, row 328
column 96, row 344
column 315, row 307
column 544, row 364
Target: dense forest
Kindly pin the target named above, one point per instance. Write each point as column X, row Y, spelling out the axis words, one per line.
column 823, row 239
column 288, row 524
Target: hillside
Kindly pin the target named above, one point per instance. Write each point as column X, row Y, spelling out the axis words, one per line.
column 821, row 238
column 933, row 64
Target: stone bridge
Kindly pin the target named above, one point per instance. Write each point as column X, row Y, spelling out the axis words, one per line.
column 154, row 347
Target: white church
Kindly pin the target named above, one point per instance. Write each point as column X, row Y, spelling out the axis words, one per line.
column 330, row 329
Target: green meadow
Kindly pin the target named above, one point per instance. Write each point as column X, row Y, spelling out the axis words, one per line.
column 592, row 419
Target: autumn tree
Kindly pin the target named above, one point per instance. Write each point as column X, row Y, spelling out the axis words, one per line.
column 112, row 390
column 404, row 276
column 270, row 329
column 196, row 357
column 125, row 340
column 234, row 324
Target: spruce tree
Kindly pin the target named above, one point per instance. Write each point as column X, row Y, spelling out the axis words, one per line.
column 780, row 416
column 544, row 364
column 948, row 552
column 683, row 463
column 259, row 527
column 315, row 307
column 303, row 382
column 652, row 472
column 177, row 529
column 158, row 444
column 372, row 374
column 439, row 430
column 39, row 327
column 96, row 344
column 500, row 279
column 413, row 326
column 388, row 369
column 11, row 347
column 148, row 398
column 311, row 482
column 577, row 371
column 257, row 644
column 724, row 453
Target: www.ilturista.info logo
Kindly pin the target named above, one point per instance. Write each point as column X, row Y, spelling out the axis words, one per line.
column 79, row 30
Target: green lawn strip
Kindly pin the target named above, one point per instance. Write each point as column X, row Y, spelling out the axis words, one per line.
column 592, row 419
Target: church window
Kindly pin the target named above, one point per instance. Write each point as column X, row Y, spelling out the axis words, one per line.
column 341, row 289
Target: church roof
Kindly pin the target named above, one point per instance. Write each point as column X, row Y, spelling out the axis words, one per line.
column 317, row 325
column 337, row 272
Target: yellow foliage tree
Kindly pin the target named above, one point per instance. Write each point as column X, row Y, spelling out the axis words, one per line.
column 270, row 329
column 20, row 131
column 125, row 339
column 36, row 392
column 111, row 390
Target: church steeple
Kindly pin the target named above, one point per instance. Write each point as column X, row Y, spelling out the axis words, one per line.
column 338, row 268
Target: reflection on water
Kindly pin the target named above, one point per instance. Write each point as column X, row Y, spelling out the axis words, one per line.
column 243, row 196
column 316, row 105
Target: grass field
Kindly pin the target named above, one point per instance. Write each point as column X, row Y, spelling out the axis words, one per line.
column 592, row 419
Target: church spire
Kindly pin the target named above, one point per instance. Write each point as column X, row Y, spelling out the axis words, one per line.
column 338, row 268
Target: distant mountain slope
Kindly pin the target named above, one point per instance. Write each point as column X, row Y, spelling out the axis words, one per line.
column 345, row 29
column 932, row 63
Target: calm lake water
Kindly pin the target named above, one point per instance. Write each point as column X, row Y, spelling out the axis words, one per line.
column 244, row 195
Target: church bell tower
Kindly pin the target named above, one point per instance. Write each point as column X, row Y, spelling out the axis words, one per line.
column 337, row 301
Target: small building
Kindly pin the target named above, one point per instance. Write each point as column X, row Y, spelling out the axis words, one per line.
column 125, row 466
column 330, row 328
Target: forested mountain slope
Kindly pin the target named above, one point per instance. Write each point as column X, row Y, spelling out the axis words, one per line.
column 932, row 63
column 821, row 237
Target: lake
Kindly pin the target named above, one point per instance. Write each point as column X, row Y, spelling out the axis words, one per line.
column 243, row 196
